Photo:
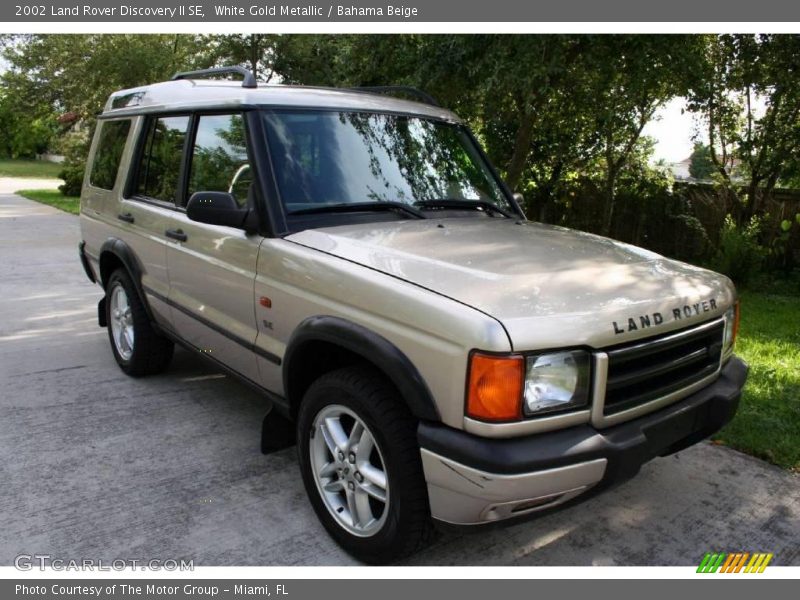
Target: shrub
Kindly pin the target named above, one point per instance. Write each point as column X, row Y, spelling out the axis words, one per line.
column 781, row 254
column 72, row 174
column 75, row 147
column 739, row 256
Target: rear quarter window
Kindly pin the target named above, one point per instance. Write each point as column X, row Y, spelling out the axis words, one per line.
column 107, row 156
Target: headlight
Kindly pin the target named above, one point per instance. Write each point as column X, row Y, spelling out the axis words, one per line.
column 510, row 387
column 556, row 382
column 731, row 318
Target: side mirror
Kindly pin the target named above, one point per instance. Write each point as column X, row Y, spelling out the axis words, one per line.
column 216, row 208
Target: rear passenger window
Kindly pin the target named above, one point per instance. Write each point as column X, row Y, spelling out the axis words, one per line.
column 159, row 169
column 107, row 156
column 219, row 158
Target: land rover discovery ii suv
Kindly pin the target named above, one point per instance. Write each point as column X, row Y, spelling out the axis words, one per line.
column 356, row 258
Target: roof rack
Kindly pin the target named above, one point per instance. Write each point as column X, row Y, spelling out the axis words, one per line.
column 248, row 81
column 393, row 89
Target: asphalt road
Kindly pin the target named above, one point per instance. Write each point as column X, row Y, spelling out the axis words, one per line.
column 99, row 465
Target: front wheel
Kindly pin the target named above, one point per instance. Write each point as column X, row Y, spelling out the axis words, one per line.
column 361, row 465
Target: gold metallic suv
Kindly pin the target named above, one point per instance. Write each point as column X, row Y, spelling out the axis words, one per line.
column 355, row 257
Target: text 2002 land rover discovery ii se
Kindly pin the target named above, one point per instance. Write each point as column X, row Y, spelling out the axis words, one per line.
column 356, row 258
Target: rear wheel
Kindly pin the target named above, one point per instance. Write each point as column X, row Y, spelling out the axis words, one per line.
column 137, row 348
column 361, row 465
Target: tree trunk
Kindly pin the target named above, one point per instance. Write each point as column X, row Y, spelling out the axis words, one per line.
column 543, row 200
column 611, row 178
column 254, row 53
column 608, row 191
column 752, row 200
column 522, row 146
column 548, row 191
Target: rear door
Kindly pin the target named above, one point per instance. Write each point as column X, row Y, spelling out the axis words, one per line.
column 212, row 268
column 148, row 209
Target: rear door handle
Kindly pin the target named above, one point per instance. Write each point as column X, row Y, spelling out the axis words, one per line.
column 127, row 217
column 176, row 234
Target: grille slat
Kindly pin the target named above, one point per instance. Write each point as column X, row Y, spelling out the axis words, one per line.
column 645, row 371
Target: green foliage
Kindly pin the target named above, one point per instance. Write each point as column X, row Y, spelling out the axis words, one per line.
column 700, row 164
column 561, row 116
column 72, row 174
column 76, row 73
column 780, row 250
column 544, row 106
column 255, row 50
column 23, row 134
column 732, row 78
column 75, row 147
column 739, row 254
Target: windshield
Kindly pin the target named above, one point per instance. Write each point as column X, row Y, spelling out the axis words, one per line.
column 331, row 158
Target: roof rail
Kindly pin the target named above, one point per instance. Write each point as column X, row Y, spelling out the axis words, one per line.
column 249, row 80
column 393, row 89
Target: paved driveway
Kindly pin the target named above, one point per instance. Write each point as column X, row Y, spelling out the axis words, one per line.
column 98, row 465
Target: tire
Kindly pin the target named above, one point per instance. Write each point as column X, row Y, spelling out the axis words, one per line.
column 383, row 531
column 137, row 348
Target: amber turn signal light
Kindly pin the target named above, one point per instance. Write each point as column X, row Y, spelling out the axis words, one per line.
column 494, row 387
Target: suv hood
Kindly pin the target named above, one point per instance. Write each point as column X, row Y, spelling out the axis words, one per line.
column 549, row 286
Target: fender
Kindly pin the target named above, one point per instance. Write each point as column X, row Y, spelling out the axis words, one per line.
column 130, row 261
column 374, row 349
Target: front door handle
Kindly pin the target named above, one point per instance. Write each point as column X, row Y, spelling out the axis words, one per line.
column 176, row 234
column 127, row 217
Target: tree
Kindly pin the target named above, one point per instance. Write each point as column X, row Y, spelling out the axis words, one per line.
column 737, row 76
column 256, row 50
column 77, row 73
column 700, row 164
column 544, row 106
column 23, row 132
column 632, row 77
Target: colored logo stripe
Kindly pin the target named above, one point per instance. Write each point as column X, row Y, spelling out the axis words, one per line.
column 734, row 562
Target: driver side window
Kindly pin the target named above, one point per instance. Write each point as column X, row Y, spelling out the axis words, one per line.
column 219, row 158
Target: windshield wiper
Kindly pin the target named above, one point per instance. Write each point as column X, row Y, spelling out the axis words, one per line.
column 361, row 206
column 456, row 203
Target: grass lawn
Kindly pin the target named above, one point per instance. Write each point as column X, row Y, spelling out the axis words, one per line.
column 10, row 167
column 70, row 204
column 768, row 422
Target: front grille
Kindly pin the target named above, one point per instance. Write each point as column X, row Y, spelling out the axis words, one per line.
column 645, row 371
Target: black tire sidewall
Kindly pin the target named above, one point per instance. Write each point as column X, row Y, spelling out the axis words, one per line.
column 120, row 279
column 382, row 546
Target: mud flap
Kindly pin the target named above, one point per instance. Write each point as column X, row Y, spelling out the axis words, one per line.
column 277, row 432
column 101, row 313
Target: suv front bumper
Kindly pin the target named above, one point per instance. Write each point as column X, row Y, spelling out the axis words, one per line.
column 473, row 480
